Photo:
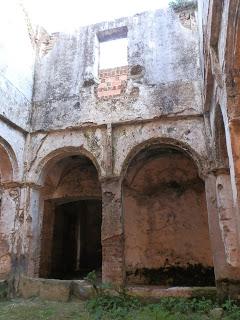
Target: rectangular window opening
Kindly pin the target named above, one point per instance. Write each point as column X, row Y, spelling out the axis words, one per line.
column 113, row 62
column 113, row 48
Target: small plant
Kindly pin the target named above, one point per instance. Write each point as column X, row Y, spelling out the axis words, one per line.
column 113, row 306
column 92, row 279
column 183, row 4
column 98, row 288
column 109, row 300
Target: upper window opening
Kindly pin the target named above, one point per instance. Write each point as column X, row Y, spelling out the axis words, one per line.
column 113, row 63
column 113, row 48
column 113, row 54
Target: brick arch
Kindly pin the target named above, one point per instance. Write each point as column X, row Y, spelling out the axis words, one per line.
column 165, row 142
column 53, row 157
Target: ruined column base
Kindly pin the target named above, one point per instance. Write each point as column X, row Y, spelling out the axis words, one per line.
column 112, row 268
column 228, row 289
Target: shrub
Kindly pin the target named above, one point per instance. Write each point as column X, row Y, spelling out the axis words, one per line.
column 109, row 300
column 117, row 307
column 183, row 4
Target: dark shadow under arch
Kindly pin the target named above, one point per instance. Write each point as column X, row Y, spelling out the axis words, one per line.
column 164, row 142
column 54, row 156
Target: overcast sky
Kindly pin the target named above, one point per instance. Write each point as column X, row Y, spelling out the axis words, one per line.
column 65, row 15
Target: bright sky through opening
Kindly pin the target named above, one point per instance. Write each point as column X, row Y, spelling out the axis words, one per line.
column 113, row 54
column 65, row 15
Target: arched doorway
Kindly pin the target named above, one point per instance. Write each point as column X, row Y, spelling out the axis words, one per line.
column 165, row 220
column 72, row 218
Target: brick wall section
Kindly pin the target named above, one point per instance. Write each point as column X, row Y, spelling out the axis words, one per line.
column 112, row 82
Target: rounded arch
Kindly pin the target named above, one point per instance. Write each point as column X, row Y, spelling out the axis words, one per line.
column 71, row 213
column 164, row 209
column 164, row 142
column 56, row 155
column 8, row 162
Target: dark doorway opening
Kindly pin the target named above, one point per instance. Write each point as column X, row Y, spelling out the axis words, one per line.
column 76, row 248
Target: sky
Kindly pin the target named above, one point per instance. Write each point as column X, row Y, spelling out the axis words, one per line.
column 113, row 53
column 66, row 15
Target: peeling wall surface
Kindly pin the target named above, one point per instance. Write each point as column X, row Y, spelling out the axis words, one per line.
column 17, row 59
column 168, row 80
column 151, row 149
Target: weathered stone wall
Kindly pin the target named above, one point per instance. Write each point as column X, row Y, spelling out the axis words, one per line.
column 180, row 76
column 17, row 58
column 160, row 104
column 164, row 75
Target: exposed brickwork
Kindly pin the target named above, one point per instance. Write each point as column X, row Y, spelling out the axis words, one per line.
column 112, row 82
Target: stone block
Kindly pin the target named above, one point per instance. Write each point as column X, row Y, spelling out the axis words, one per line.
column 56, row 290
column 29, row 287
column 81, row 290
column 46, row 289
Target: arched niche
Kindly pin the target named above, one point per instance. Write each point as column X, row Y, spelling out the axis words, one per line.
column 165, row 219
column 70, row 234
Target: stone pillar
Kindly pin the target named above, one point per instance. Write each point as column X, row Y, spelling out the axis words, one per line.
column 46, row 239
column 14, row 235
column 112, row 232
column 35, row 213
column 227, row 218
column 234, row 127
column 10, row 221
column 223, row 234
column 20, row 221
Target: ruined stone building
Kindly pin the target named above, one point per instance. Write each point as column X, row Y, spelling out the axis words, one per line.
column 132, row 171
